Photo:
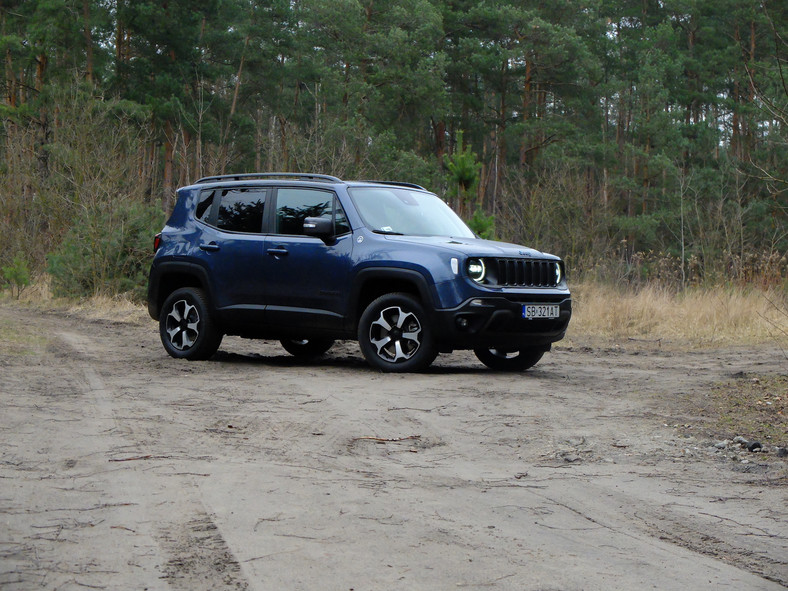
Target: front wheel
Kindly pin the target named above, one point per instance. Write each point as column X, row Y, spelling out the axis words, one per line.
column 395, row 335
column 509, row 360
column 307, row 348
column 186, row 327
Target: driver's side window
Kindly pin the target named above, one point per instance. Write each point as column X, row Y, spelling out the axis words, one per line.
column 293, row 205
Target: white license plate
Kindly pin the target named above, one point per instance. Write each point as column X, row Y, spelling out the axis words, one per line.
column 541, row 311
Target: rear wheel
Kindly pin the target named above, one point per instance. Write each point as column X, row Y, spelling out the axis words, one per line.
column 509, row 360
column 395, row 335
column 307, row 348
column 186, row 327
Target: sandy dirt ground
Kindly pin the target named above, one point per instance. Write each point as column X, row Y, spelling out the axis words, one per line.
column 121, row 468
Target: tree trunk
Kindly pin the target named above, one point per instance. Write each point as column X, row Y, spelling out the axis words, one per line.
column 233, row 105
column 185, row 175
column 258, row 141
column 167, row 189
column 439, row 129
column 88, row 41
column 526, row 106
column 285, row 150
column 41, row 67
column 271, row 143
column 11, row 93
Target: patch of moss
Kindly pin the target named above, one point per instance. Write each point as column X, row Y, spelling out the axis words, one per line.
column 753, row 406
column 16, row 341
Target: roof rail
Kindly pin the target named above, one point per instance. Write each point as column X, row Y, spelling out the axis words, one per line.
column 397, row 184
column 269, row 175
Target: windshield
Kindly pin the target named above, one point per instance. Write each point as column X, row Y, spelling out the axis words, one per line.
column 397, row 210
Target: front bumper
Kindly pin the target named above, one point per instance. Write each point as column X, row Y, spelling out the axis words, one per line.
column 497, row 322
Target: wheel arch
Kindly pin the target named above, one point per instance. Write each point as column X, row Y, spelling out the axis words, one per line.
column 169, row 276
column 370, row 284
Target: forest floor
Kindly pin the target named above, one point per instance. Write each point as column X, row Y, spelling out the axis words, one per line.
column 608, row 466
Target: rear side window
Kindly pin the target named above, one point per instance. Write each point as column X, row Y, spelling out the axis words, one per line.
column 241, row 210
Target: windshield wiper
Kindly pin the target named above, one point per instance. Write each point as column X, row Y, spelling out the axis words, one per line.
column 388, row 232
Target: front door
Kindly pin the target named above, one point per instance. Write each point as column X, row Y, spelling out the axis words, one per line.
column 307, row 278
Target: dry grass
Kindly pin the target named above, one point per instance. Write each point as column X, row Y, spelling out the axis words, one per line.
column 113, row 309
column 699, row 317
column 16, row 341
column 118, row 308
column 750, row 405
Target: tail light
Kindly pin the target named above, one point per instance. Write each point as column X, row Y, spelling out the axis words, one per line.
column 156, row 242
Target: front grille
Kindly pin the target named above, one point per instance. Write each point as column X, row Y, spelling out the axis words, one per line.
column 524, row 273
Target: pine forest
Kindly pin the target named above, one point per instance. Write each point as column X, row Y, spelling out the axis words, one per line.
column 641, row 140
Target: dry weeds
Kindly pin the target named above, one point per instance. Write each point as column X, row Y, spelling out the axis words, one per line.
column 698, row 317
column 113, row 309
column 119, row 308
column 16, row 342
column 755, row 406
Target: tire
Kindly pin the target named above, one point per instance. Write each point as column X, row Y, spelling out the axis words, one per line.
column 503, row 360
column 395, row 334
column 307, row 348
column 186, row 326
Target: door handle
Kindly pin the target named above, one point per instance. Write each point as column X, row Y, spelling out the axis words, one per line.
column 212, row 247
column 279, row 251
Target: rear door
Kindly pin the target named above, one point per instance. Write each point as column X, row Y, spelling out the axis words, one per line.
column 233, row 249
column 306, row 284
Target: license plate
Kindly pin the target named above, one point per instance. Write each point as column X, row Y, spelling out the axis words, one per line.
column 531, row 311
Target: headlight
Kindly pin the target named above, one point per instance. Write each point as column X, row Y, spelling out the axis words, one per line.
column 476, row 270
column 558, row 273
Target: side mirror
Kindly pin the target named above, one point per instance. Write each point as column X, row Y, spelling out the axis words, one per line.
column 319, row 227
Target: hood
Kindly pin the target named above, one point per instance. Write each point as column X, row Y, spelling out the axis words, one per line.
column 473, row 246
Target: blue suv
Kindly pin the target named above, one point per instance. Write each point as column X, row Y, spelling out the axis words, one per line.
column 307, row 259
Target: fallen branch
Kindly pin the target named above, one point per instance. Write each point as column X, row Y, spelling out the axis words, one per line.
column 419, row 409
column 145, row 457
column 122, row 527
column 387, row 439
column 658, row 341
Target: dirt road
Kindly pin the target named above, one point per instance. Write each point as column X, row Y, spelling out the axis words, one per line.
column 121, row 468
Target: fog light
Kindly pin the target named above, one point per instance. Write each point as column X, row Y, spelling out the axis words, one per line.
column 462, row 323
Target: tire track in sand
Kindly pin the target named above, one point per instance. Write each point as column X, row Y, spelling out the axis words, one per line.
column 175, row 541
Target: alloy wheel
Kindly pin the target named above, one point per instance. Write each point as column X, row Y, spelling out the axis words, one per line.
column 183, row 325
column 396, row 334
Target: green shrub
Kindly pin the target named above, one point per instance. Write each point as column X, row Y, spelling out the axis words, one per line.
column 483, row 225
column 106, row 252
column 463, row 178
column 17, row 275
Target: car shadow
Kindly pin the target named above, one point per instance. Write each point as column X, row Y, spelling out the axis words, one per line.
column 358, row 363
